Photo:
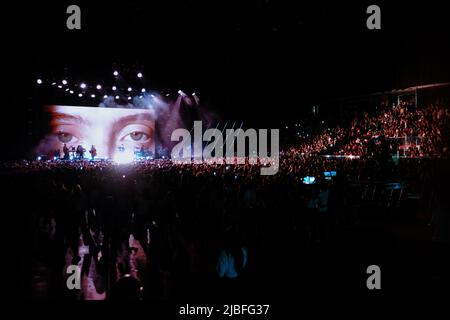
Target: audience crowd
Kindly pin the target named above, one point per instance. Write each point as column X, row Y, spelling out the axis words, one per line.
column 159, row 230
column 413, row 132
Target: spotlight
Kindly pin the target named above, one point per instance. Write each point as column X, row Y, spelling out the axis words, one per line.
column 167, row 94
column 140, row 97
column 142, row 90
column 98, row 87
column 60, row 86
column 92, row 95
column 64, row 82
column 129, row 98
column 53, row 83
column 83, row 86
column 180, row 92
column 129, row 89
column 117, row 97
column 105, row 96
column 193, row 94
column 116, row 73
column 67, row 89
column 71, row 91
column 80, row 95
column 153, row 96
column 114, row 88
column 39, row 81
column 139, row 75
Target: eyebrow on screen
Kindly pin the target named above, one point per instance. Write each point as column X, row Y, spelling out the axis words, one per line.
column 133, row 118
column 136, row 117
column 57, row 116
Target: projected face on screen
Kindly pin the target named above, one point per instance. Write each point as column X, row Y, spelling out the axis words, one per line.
column 114, row 133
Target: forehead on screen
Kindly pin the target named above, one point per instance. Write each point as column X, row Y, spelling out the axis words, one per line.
column 100, row 114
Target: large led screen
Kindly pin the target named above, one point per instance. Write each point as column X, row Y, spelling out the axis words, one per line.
column 98, row 133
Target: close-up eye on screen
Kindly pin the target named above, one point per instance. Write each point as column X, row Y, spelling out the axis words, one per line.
column 225, row 159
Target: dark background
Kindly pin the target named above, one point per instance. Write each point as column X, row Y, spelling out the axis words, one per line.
column 263, row 62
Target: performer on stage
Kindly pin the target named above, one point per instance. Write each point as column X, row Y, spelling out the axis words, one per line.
column 80, row 152
column 66, row 152
column 93, row 152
